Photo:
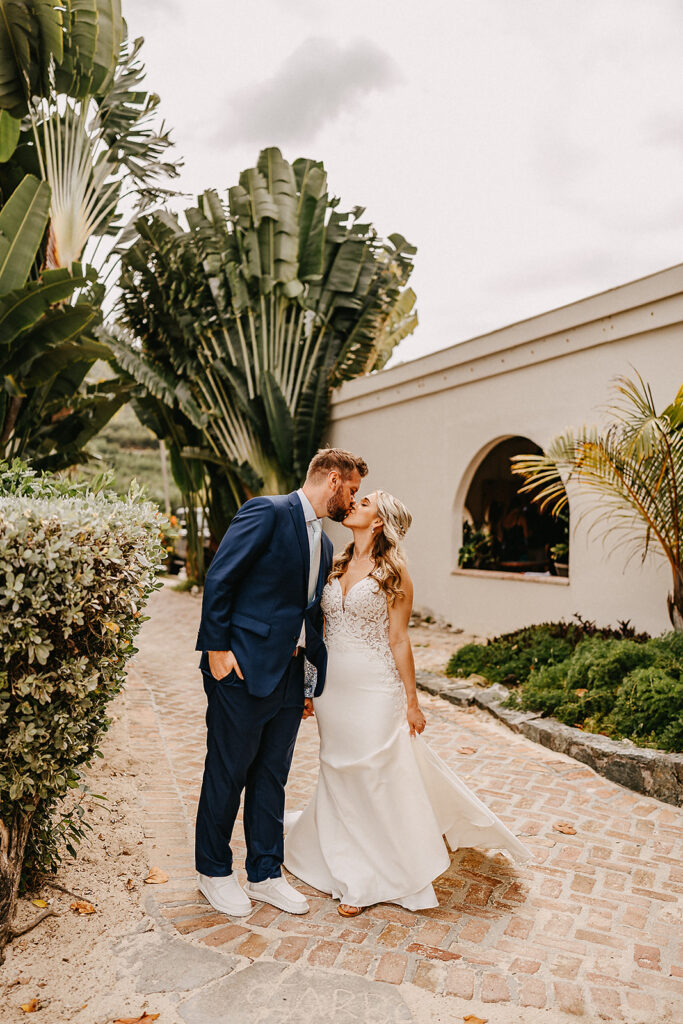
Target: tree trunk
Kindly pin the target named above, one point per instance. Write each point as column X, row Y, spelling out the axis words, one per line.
column 675, row 600
column 195, row 540
column 10, row 420
column 14, row 832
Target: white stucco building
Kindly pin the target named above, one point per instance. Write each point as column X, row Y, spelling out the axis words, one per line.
column 425, row 428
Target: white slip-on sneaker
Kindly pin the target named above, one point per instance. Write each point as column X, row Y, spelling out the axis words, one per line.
column 225, row 894
column 279, row 893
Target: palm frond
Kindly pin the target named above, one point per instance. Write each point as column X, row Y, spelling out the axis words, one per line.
column 262, row 305
column 632, row 470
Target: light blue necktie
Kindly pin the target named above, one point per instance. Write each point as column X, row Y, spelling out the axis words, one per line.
column 317, row 528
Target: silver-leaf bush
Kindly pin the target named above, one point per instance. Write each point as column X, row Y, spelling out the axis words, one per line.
column 76, row 569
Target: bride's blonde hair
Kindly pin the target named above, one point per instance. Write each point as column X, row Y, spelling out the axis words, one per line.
column 387, row 547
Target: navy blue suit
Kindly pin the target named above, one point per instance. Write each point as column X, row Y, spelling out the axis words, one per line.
column 255, row 602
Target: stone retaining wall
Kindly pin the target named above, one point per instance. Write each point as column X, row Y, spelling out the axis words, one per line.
column 655, row 773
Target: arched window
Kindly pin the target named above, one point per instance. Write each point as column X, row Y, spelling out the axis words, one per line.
column 504, row 530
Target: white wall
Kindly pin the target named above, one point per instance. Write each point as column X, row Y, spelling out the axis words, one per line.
column 424, row 427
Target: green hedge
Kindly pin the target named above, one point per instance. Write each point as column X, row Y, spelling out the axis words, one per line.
column 76, row 568
column 614, row 682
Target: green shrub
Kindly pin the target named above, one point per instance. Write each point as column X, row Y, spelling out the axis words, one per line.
column 509, row 658
column 649, row 708
column 613, row 681
column 546, row 698
column 76, row 568
column 509, row 661
column 620, row 688
column 596, row 666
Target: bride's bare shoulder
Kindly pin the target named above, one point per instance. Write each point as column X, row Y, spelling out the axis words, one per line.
column 403, row 568
column 405, row 581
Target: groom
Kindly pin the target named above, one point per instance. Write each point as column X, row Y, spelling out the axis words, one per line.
column 260, row 613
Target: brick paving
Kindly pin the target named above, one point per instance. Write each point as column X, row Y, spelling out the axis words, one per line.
column 592, row 927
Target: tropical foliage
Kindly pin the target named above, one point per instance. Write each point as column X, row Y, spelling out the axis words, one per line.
column 75, row 133
column 617, row 682
column 76, row 568
column 617, row 687
column 476, row 551
column 130, row 452
column 511, row 657
column 634, row 467
column 237, row 324
column 45, row 345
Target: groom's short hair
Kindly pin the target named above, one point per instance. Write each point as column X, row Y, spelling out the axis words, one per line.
column 327, row 459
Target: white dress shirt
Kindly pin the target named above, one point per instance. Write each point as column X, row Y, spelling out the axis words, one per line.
column 310, row 517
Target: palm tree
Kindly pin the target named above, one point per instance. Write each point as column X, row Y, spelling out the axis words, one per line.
column 45, row 350
column 634, row 468
column 72, row 114
column 256, row 310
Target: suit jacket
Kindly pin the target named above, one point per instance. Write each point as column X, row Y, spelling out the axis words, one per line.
column 256, row 593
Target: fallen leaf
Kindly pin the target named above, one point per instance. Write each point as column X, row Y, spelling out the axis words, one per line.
column 130, row 884
column 467, row 750
column 82, row 906
column 565, row 828
column 471, row 1019
column 156, row 876
column 144, row 1018
column 39, row 903
column 31, row 1007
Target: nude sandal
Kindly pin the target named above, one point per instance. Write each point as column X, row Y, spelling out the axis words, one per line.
column 347, row 911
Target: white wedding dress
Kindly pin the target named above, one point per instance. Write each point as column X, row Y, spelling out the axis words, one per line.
column 373, row 831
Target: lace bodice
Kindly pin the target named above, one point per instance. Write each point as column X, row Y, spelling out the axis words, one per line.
column 359, row 620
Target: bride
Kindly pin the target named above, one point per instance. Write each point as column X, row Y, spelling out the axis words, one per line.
column 373, row 831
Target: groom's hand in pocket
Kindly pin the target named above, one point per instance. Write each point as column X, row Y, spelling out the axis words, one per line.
column 222, row 663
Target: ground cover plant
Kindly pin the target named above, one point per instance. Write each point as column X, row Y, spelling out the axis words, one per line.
column 615, row 682
column 77, row 565
column 509, row 658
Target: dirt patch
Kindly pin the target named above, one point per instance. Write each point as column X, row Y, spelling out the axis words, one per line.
column 67, row 963
column 433, row 645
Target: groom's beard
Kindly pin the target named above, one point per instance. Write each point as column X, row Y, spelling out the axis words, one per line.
column 336, row 509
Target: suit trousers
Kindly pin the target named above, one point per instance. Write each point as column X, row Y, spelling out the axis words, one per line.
column 250, row 742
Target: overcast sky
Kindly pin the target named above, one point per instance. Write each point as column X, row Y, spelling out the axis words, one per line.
column 531, row 149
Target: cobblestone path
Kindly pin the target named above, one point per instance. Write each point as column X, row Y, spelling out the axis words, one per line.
column 592, row 927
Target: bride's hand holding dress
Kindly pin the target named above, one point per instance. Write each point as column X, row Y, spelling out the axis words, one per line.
column 399, row 641
column 416, row 720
